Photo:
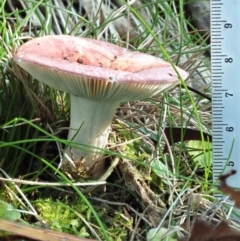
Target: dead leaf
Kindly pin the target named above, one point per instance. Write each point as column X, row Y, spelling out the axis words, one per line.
column 176, row 134
column 201, row 231
column 233, row 194
column 15, row 238
column 36, row 233
column 207, row 231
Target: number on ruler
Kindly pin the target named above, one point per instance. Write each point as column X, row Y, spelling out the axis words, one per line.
column 228, row 94
column 228, row 60
column 227, row 25
column 230, row 129
column 230, row 163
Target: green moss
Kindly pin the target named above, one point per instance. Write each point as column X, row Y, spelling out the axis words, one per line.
column 135, row 150
column 61, row 216
column 117, row 229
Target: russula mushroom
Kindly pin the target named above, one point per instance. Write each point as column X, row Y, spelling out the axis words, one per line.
column 98, row 75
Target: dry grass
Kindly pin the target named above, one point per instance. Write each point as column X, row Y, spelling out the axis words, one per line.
column 146, row 187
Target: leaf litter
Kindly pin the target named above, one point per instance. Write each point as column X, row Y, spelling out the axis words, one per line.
column 203, row 230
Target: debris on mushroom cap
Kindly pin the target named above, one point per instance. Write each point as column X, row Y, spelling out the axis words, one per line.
column 106, row 71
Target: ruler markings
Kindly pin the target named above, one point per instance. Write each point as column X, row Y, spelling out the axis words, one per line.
column 220, row 55
column 225, row 62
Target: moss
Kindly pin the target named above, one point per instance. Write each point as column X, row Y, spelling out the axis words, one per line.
column 61, row 216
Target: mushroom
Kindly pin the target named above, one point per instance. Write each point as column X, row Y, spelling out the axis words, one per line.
column 98, row 76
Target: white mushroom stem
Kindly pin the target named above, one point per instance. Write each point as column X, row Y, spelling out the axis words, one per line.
column 89, row 128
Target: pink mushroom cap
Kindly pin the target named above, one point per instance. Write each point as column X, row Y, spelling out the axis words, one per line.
column 95, row 69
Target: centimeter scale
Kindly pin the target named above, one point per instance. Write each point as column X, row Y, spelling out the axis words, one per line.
column 225, row 62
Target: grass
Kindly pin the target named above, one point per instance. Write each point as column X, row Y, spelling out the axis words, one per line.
column 34, row 120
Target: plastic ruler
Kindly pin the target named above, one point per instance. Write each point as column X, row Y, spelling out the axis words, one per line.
column 225, row 62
